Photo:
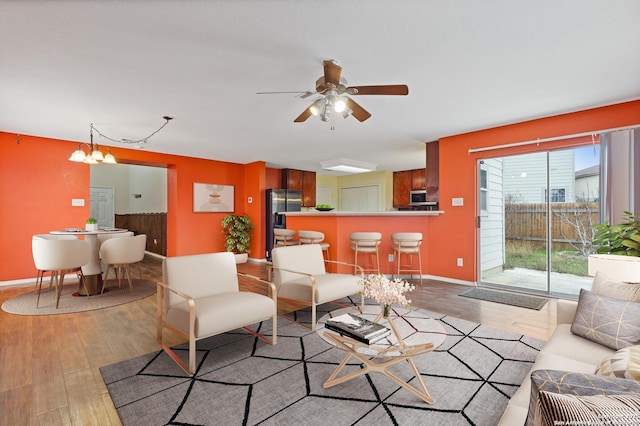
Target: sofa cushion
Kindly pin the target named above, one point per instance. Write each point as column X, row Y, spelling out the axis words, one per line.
column 557, row 409
column 571, row 383
column 610, row 322
column 605, row 286
column 624, row 363
column 566, row 344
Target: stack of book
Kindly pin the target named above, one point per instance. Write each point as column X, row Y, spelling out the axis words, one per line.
column 358, row 328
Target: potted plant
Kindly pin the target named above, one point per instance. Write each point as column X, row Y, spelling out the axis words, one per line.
column 622, row 239
column 237, row 230
column 92, row 224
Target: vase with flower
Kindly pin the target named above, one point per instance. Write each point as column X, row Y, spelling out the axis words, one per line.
column 386, row 292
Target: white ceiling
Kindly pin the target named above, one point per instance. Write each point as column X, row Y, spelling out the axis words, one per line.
column 469, row 65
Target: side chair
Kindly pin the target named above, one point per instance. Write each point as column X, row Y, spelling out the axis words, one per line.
column 200, row 297
column 300, row 275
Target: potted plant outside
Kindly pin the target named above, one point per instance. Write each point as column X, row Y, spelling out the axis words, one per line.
column 237, row 230
column 622, row 239
column 92, row 224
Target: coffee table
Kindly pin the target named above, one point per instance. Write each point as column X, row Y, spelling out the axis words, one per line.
column 413, row 333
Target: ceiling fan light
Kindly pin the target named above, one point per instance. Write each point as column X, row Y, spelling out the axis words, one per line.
column 326, row 113
column 346, row 113
column 339, row 105
column 316, row 107
column 78, row 156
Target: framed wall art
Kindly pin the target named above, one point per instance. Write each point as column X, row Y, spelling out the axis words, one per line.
column 211, row 197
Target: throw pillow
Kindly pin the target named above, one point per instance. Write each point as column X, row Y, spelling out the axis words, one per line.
column 578, row 384
column 605, row 286
column 557, row 409
column 610, row 322
column 624, row 363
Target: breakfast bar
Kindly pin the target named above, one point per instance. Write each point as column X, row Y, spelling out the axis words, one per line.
column 337, row 225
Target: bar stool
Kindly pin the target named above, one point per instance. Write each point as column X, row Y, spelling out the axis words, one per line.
column 407, row 243
column 367, row 243
column 314, row 237
column 284, row 237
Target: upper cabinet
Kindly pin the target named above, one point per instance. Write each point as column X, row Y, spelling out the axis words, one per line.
column 418, row 179
column 401, row 188
column 433, row 171
column 303, row 181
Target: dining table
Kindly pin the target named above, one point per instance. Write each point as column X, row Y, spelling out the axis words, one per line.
column 92, row 271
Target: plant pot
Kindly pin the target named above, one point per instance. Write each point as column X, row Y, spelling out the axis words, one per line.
column 91, row 226
column 241, row 257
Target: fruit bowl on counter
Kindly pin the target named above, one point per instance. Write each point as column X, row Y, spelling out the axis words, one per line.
column 324, row 208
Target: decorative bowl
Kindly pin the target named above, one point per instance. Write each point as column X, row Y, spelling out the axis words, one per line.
column 324, row 209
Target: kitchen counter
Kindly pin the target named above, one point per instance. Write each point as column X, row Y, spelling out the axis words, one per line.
column 337, row 225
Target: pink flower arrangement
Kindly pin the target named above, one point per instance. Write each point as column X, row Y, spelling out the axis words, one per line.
column 386, row 291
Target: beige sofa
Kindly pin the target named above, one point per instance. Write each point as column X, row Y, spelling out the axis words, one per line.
column 563, row 351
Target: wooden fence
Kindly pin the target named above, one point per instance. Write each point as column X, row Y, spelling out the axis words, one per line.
column 571, row 223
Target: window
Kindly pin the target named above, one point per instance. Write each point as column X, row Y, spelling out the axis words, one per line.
column 483, row 190
column 557, row 195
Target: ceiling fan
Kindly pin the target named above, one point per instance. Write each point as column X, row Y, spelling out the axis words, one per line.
column 333, row 92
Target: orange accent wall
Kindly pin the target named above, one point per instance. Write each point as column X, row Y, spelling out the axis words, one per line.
column 36, row 196
column 454, row 234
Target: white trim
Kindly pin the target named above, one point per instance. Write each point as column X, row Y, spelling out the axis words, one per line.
column 556, row 138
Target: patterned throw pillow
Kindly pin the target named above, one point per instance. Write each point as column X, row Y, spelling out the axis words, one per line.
column 624, row 363
column 557, row 409
column 605, row 286
column 578, row 384
column 610, row 322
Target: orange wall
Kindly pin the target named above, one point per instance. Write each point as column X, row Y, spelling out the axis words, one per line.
column 36, row 198
column 454, row 234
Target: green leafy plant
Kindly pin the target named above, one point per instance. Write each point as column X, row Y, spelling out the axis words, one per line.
column 237, row 230
column 622, row 239
column 92, row 220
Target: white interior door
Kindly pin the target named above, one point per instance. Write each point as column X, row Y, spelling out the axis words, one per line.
column 102, row 206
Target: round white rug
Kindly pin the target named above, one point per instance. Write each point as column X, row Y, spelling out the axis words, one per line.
column 25, row 304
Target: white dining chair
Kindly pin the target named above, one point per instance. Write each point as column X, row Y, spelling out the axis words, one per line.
column 60, row 256
column 119, row 254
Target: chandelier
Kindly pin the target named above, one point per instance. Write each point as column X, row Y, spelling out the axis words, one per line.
column 94, row 154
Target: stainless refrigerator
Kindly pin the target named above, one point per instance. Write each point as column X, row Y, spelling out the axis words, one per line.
column 277, row 202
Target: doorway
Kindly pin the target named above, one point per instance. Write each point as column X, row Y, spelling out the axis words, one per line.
column 536, row 213
column 102, row 206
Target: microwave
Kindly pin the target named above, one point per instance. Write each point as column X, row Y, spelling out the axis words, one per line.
column 419, row 198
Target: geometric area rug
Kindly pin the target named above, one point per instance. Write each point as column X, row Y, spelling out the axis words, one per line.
column 243, row 380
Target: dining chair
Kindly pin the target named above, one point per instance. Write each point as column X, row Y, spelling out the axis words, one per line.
column 104, row 237
column 41, row 273
column 119, row 254
column 61, row 256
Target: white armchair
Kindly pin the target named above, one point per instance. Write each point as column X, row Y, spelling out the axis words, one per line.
column 300, row 275
column 200, row 297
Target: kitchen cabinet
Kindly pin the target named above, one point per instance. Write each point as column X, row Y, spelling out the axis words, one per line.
column 418, row 179
column 433, row 171
column 303, row 181
column 401, row 188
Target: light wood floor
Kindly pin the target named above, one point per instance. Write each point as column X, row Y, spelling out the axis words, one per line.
column 49, row 364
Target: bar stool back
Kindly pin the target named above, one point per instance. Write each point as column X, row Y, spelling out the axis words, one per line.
column 314, row 237
column 367, row 243
column 409, row 244
column 284, row 237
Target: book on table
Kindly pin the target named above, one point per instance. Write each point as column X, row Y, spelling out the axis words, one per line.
column 358, row 328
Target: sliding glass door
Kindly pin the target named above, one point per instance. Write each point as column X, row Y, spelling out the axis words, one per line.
column 535, row 216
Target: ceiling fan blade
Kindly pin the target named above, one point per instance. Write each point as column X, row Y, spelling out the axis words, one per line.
column 332, row 73
column 303, row 117
column 390, row 89
column 359, row 113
